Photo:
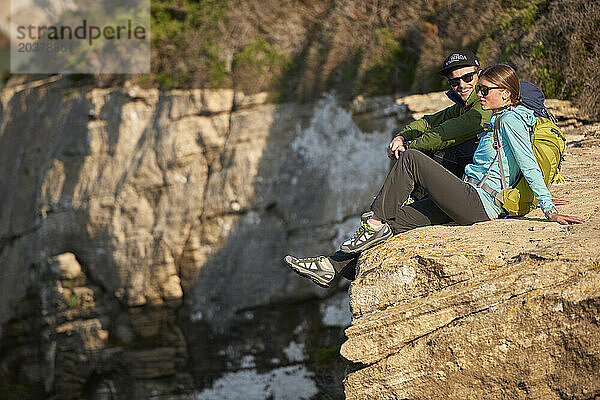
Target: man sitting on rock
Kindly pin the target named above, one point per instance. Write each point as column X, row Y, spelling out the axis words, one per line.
column 449, row 136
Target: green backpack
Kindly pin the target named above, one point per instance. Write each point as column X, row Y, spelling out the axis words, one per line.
column 548, row 147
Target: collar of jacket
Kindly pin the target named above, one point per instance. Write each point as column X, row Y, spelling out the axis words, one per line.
column 451, row 94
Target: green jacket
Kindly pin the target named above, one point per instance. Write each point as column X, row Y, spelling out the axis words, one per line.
column 449, row 127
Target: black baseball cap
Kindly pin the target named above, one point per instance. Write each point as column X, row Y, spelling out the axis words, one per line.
column 461, row 58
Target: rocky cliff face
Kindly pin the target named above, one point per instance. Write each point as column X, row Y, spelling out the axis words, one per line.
column 140, row 242
column 141, row 235
column 507, row 309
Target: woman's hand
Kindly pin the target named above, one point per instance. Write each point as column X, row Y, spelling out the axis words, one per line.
column 565, row 219
column 396, row 145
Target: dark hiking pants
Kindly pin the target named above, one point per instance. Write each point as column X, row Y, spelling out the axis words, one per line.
column 454, row 159
column 450, row 199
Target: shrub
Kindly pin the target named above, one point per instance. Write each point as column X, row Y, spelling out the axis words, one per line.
column 565, row 59
column 185, row 48
column 300, row 49
column 257, row 65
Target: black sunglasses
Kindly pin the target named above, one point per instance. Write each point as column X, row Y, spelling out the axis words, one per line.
column 485, row 90
column 466, row 78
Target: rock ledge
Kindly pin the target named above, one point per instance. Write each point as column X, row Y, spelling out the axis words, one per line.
column 503, row 309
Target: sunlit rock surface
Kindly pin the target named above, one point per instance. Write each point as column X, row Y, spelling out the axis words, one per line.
column 507, row 309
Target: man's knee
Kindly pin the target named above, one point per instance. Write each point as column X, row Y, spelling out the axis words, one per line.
column 412, row 153
column 412, row 156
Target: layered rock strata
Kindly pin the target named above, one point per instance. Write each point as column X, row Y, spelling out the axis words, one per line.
column 141, row 237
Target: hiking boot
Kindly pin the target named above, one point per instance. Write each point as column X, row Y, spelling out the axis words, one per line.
column 366, row 236
column 314, row 268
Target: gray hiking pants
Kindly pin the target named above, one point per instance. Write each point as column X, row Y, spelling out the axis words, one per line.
column 450, row 199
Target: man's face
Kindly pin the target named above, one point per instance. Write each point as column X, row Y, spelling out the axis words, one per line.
column 463, row 81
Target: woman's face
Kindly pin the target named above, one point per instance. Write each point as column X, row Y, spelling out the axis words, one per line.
column 492, row 97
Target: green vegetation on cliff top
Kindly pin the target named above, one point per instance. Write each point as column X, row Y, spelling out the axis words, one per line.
column 297, row 50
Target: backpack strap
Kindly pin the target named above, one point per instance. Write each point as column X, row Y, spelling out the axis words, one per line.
column 481, row 183
column 498, row 147
column 552, row 118
column 485, row 187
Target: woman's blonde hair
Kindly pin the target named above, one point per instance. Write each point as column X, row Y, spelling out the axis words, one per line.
column 504, row 76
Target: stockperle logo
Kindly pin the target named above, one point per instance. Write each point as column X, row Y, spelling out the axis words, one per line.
column 103, row 36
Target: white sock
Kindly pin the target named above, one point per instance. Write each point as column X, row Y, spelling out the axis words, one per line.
column 376, row 227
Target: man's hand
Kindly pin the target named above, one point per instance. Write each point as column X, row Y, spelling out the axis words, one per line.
column 396, row 145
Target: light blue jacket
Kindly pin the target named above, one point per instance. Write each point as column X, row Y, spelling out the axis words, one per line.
column 517, row 155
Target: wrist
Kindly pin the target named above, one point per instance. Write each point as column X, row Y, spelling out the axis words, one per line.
column 406, row 134
column 550, row 212
column 397, row 132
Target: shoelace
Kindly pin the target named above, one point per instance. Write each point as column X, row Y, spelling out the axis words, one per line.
column 364, row 227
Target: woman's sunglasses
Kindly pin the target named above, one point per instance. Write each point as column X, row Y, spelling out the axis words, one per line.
column 485, row 90
column 466, row 78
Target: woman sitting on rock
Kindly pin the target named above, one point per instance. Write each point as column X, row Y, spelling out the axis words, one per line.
column 450, row 198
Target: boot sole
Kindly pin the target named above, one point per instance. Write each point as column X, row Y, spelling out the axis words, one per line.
column 307, row 275
column 379, row 241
